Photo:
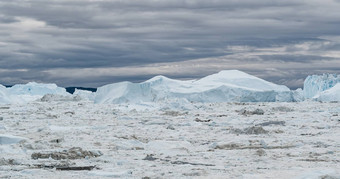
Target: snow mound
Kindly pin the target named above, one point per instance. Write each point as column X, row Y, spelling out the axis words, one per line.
column 315, row 84
column 225, row 86
column 332, row 94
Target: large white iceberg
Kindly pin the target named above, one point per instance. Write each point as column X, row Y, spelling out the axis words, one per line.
column 315, row 84
column 225, row 86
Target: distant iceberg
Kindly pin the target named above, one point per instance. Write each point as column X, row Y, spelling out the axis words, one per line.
column 225, row 86
column 23, row 93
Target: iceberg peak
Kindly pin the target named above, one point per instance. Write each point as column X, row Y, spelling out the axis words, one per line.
column 233, row 74
column 159, row 78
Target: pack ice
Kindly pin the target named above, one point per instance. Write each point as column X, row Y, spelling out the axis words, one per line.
column 225, row 86
column 315, row 84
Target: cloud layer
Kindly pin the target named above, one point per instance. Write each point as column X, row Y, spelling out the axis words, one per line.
column 95, row 42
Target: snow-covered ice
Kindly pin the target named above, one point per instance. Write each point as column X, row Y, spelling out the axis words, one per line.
column 204, row 140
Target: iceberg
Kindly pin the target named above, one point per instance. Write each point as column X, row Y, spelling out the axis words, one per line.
column 332, row 94
column 33, row 88
column 315, row 84
column 22, row 93
column 225, row 86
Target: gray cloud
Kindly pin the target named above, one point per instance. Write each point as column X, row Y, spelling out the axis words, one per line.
column 45, row 38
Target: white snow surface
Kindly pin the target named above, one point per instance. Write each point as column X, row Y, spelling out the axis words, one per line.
column 315, row 84
column 332, row 94
column 225, row 86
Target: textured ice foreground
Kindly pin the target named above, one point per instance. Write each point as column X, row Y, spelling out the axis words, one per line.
column 210, row 140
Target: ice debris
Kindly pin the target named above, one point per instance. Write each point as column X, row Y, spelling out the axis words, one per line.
column 73, row 153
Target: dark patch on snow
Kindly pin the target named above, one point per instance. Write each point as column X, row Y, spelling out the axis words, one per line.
column 73, row 153
column 281, row 123
column 250, row 130
column 251, row 112
column 72, row 89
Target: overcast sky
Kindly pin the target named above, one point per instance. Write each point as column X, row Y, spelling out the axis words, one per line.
column 95, row 42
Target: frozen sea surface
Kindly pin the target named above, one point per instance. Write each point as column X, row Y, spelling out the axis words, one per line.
column 212, row 140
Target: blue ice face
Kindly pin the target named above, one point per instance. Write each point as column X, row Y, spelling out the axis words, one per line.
column 314, row 84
